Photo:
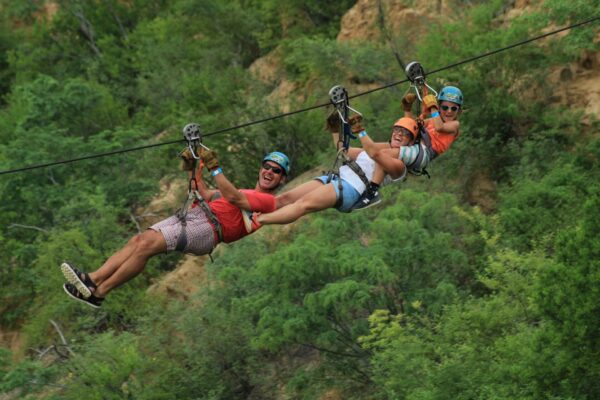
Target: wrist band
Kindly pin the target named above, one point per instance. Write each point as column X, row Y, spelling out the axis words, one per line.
column 362, row 134
column 435, row 114
column 216, row 172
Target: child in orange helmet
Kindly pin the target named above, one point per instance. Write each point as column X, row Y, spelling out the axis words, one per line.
column 440, row 130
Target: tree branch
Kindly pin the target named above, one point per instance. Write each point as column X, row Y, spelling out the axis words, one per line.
column 87, row 30
column 11, row 226
column 137, row 224
column 62, row 337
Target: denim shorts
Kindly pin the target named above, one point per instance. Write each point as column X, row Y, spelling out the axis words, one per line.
column 351, row 195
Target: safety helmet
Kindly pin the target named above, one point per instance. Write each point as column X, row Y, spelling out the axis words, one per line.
column 451, row 93
column 409, row 124
column 281, row 159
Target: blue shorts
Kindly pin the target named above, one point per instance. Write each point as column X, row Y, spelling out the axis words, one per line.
column 351, row 195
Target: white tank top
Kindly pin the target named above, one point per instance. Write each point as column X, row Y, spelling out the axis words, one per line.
column 365, row 163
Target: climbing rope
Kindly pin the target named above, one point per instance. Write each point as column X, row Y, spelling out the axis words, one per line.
column 260, row 121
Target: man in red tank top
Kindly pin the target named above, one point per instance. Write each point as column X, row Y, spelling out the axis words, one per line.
column 201, row 235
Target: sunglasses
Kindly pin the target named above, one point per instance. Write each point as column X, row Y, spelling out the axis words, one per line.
column 269, row 167
column 453, row 108
column 402, row 131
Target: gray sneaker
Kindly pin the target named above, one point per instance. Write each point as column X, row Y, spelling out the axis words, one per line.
column 368, row 199
column 75, row 294
column 81, row 280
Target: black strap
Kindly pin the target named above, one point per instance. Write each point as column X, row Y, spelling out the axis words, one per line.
column 194, row 196
column 182, row 239
column 357, row 170
column 340, row 200
column 427, row 140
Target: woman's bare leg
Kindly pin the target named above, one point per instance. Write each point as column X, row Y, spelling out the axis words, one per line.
column 291, row 196
column 315, row 200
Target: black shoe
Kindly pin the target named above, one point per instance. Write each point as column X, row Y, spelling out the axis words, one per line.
column 368, row 199
column 81, row 280
column 91, row 301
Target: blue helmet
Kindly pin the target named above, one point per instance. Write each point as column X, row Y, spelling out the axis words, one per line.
column 279, row 158
column 451, row 93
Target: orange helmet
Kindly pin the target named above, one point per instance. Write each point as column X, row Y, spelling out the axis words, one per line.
column 409, row 124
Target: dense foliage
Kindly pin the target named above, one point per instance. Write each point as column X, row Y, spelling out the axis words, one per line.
column 425, row 297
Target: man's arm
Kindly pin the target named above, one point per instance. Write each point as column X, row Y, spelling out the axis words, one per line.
column 230, row 192
column 206, row 193
column 225, row 187
column 188, row 163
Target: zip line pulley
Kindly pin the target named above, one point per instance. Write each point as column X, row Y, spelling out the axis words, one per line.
column 339, row 98
column 416, row 75
column 193, row 136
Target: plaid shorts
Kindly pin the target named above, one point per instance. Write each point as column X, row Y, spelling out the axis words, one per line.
column 201, row 236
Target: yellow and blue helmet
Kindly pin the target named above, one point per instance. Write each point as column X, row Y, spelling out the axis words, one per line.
column 281, row 159
column 451, row 93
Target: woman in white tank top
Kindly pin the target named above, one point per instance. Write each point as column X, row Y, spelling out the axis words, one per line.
column 325, row 192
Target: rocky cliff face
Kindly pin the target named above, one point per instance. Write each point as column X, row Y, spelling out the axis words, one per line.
column 368, row 19
column 577, row 83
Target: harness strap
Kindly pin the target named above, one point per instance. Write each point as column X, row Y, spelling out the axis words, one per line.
column 335, row 172
column 211, row 216
column 414, row 168
column 194, row 196
column 343, row 158
column 357, row 170
column 427, row 140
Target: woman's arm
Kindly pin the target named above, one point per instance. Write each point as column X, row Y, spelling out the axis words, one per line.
column 389, row 161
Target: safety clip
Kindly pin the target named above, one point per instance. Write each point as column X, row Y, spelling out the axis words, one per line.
column 339, row 98
column 193, row 136
column 416, row 75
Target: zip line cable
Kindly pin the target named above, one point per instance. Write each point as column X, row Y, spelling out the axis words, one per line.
column 287, row 114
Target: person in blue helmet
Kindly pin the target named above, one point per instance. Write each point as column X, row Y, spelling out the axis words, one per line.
column 342, row 190
column 202, row 231
column 441, row 129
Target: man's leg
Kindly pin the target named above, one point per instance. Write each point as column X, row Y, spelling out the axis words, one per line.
column 315, row 200
column 134, row 257
column 114, row 262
